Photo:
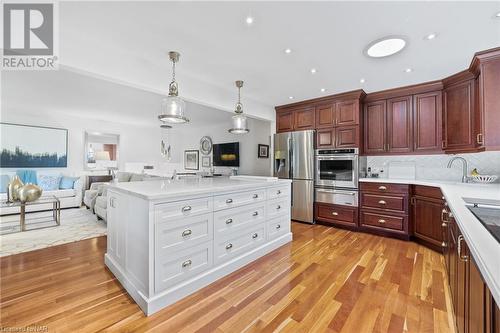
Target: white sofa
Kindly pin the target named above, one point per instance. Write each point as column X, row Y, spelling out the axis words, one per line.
column 68, row 198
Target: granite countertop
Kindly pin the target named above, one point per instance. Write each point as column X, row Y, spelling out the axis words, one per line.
column 484, row 247
column 168, row 189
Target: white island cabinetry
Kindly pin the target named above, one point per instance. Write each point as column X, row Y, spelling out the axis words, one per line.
column 167, row 239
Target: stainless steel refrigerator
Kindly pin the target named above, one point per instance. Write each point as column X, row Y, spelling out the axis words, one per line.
column 294, row 159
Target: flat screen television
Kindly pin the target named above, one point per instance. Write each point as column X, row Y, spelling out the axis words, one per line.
column 227, row 154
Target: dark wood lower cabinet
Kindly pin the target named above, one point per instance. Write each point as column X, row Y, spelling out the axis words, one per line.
column 427, row 214
column 336, row 215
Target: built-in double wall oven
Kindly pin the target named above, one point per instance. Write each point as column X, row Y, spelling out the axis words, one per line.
column 337, row 175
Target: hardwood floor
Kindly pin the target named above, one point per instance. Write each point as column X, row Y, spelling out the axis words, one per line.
column 326, row 280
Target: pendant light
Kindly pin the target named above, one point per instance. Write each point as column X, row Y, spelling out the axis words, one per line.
column 173, row 107
column 239, row 120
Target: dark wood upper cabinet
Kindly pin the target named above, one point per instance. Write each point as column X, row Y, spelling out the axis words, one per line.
column 284, row 121
column 347, row 113
column 325, row 138
column 304, row 119
column 375, row 127
column 399, row 124
column 427, row 122
column 325, row 116
column 347, row 136
column 459, row 127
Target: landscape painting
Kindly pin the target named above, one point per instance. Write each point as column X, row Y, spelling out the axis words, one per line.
column 24, row 146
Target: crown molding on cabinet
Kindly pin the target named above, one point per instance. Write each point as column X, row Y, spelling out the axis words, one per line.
column 404, row 91
column 354, row 94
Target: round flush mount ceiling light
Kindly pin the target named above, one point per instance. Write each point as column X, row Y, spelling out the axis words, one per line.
column 385, row 47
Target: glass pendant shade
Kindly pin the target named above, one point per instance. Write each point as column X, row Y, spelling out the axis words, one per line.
column 172, row 110
column 239, row 120
column 239, row 124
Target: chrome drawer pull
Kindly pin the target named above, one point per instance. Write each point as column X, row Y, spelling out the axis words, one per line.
column 382, row 188
column 255, row 196
column 335, row 213
column 459, row 249
column 278, row 192
column 443, row 211
column 186, row 208
column 382, row 202
column 255, row 235
column 278, row 226
column 228, row 201
column 381, row 221
column 255, row 213
column 278, row 207
column 186, row 232
column 187, row 263
column 228, row 246
column 443, row 244
column 229, row 221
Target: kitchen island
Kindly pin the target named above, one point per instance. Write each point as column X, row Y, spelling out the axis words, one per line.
column 170, row 238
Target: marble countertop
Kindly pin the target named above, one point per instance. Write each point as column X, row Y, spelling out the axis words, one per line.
column 484, row 247
column 168, row 189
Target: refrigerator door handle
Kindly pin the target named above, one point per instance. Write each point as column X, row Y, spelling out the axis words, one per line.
column 290, row 157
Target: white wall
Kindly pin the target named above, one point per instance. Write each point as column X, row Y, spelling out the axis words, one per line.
column 81, row 103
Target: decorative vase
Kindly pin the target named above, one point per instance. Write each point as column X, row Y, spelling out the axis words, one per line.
column 12, row 189
column 29, row 192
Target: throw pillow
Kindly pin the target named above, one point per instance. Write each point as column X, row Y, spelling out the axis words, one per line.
column 4, row 183
column 49, row 182
column 27, row 176
column 67, row 182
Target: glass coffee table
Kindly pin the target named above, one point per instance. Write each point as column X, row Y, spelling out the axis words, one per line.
column 39, row 220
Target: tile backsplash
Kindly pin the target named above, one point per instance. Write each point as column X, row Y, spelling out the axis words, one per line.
column 433, row 166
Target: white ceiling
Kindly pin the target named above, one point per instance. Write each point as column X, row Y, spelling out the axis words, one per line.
column 128, row 41
column 69, row 93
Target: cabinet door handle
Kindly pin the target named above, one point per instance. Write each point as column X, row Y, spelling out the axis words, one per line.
column 255, row 196
column 479, row 139
column 186, row 233
column 443, row 144
column 112, row 202
column 228, row 246
column 381, row 221
column 443, row 244
column 229, row 221
column 278, row 192
column 255, row 235
column 382, row 188
column 413, row 201
column 278, row 226
column 335, row 213
column 186, row 208
column 444, row 224
column 187, row 263
column 228, row 201
column 255, row 213
column 443, row 219
column 459, row 249
column 382, row 202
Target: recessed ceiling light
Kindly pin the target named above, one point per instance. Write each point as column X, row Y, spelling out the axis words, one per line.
column 288, row 51
column 362, row 80
column 249, row 20
column 431, row 36
column 290, row 97
column 313, row 70
column 385, row 47
column 408, row 70
column 323, row 89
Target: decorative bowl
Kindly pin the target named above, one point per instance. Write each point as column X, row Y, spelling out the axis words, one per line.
column 484, row 178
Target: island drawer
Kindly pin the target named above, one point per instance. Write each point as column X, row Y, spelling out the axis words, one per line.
column 369, row 219
column 229, row 221
column 185, row 208
column 239, row 244
column 277, row 227
column 180, row 233
column 238, row 199
column 174, row 267
column 394, row 202
column 278, row 192
column 278, row 207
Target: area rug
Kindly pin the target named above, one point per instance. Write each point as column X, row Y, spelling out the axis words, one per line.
column 76, row 224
